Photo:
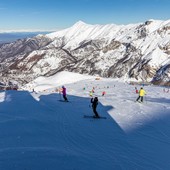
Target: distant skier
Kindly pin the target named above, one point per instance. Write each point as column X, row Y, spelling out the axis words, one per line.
column 103, row 93
column 64, row 93
column 90, row 93
column 141, row 94
column 94, row 102
column 136, row 90
column 93, row 90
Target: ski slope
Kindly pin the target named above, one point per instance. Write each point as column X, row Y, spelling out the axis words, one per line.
column 39, row 132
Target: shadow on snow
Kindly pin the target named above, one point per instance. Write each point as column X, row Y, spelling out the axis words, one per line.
column 49, row 134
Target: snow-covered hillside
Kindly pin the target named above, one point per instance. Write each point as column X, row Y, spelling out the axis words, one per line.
column 39, row 132
column 134, row 52
column 59, row 79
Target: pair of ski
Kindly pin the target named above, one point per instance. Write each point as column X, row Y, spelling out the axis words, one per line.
column 94, row 117
column 139, row 102
column 63, row 101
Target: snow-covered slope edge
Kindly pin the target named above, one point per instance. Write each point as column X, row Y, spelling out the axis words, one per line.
column 59, row 79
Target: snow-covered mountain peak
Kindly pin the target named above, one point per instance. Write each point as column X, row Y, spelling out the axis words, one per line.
column 81, row 31
column 79, row 23
column 156, row 25
column 69, row 32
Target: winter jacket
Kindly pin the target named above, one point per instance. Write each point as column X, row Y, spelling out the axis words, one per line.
column 94, row 102
column 64, row 91
column 142, row 92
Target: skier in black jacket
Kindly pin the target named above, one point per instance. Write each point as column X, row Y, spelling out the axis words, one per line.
column 94, row 106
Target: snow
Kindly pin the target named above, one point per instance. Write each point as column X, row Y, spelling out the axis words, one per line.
column 59, row 79
column 157, row 55
column 81, row 31
column 157, row 24
column 38, row 132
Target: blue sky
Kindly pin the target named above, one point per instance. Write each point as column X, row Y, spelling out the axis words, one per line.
column 59, row 14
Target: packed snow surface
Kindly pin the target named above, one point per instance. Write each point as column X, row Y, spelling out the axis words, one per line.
column 39, row 132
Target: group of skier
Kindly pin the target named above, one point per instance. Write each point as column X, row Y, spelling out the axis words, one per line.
column 94, row 101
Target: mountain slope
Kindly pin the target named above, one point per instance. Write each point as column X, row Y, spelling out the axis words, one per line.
column 135, row 52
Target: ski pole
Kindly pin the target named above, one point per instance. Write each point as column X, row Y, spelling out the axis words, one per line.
column 146, row 99
column 59, row 95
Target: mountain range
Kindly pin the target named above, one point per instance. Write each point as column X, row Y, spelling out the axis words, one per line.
column 136, row 52
column 6, row 37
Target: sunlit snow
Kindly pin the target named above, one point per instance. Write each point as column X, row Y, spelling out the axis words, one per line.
column 39, row 132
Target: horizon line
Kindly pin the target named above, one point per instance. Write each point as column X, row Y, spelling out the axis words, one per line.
column 55, row 30
column 26, row 31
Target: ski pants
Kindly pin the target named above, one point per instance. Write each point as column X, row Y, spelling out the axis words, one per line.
column 65, row 98
column 95, row 112
column 141, row 98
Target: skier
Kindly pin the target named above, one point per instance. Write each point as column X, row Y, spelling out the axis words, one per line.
column 91, row 93
column 103, row 93
column 94, row 102
column 136, row 90
column 93, row 90
column 141, row 94
column 64, row 93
